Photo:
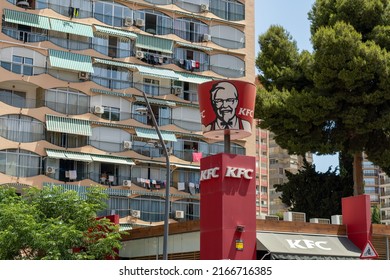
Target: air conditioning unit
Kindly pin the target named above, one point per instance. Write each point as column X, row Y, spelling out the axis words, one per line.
column 50, row 170
column 206, row 37
column 319, row 221
column 83, row 76
column 179, row 214
column 128, row 21
column 139, row 54
column 127, row 145
column 337, row 219
column 177, row 90
column 294, row 216
column 139, row 22
column 271, row 217
column 204, row 8
column 127, row 183
column 136, row 213
column 98, row 110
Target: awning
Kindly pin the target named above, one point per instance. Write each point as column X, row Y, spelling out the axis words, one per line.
column 71, row 61
column 115, row 32
column 108, row 92
column 157, row 72
column 156, row 101
column 69, row 155
column 26, row 19
column 283, row 246
column 192, row 78
column 112, row 159
column 68, row 125
column 114, row 63
column 152, row 134
column 194, row 46
column 154, row 43
column 71, row 27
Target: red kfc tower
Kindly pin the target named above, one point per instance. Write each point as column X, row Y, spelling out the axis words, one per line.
column 227, row 183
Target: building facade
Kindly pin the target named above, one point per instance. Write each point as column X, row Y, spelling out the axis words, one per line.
column 72, row 109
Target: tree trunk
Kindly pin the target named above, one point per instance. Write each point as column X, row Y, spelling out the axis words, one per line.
column 358, row 187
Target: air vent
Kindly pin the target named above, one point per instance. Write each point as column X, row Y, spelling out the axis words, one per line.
column 140, row 22
column 50, row 170
column 179, row 214
column 136, row 213
column 206, row 37
column 319, row 221
column 98, row 110
column 204, row 8
column 128, row 21
column 127, row 183
column 294, row 216
column 337, row 219
column 83, row 76
column 127, row 145
column 271, row 217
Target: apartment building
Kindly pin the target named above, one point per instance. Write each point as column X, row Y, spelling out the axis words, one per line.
column 73, row 114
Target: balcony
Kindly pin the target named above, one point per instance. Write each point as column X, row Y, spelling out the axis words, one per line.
column 24, row 36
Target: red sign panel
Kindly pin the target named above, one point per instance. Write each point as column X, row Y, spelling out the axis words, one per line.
column 227, row 105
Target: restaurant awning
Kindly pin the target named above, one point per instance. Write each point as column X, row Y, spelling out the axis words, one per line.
column 283, row 246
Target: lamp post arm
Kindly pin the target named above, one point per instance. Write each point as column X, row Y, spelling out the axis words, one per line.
column 168, row 178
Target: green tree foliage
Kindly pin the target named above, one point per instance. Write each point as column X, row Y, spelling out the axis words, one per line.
column 337, row 98
column 375, row 215
column 55, row 225
column 314, row 193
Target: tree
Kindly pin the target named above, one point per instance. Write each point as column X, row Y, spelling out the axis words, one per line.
column 335, row 99
column 314, row 193
column 375, row 215
column 52, row 224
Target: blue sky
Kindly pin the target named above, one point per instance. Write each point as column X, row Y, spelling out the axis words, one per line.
column 292, row 15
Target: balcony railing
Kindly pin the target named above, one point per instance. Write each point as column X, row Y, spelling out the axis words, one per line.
column 24, row 69
column 24, row 36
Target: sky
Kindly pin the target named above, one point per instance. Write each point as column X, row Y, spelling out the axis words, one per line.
column 292, row 15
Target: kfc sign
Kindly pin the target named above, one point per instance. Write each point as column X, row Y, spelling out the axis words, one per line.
column 227, row 105
column 233, row 172
column 307, row 244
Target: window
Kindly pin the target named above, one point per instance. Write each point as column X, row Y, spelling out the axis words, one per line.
column 21, row 128
column 19, row 163
column 67, row 101
column 151, row 87
column 155, row 22
column 190, row 30
column 111, row 113
column 111, row 14
column 112, row 77
column 13, row 98
column 66, row 140
column 228, row 9
column 19, row 65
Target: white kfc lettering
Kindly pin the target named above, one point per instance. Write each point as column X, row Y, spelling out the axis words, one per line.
column 236, row 172
column 209, row 173
column 245, row 112
column 307, row 244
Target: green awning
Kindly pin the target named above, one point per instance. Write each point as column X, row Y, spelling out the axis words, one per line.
column 69, row 155
column 68, row 125
column 157, row 72
column 192, row 78
column 155, row 101
column 152, row 134
column 115, row 32
column 154, row 43
column 71, row 61
column 108, row 92
column 26, row 19
column 71, row 27
column 194, row 46
column 114, row 63
column 112, row 159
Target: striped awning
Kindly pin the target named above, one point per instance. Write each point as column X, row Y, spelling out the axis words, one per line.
column 155, row 101
column 71, row 61
column 114, row 63
column 112, row 159
column 194, row 46
column 77, row 156
column 108, row 92
column 71, row 27
column 68, row 125
column 192, row 78
column 157, row 72
column 115, row 32
column 26, row 19
column 154, row 43
column 152, row 134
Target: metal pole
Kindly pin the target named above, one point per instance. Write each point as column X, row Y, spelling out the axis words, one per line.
column 226, row 141
column 168, row 176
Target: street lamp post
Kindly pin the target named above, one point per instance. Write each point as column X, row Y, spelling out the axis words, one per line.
column 168, row 178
